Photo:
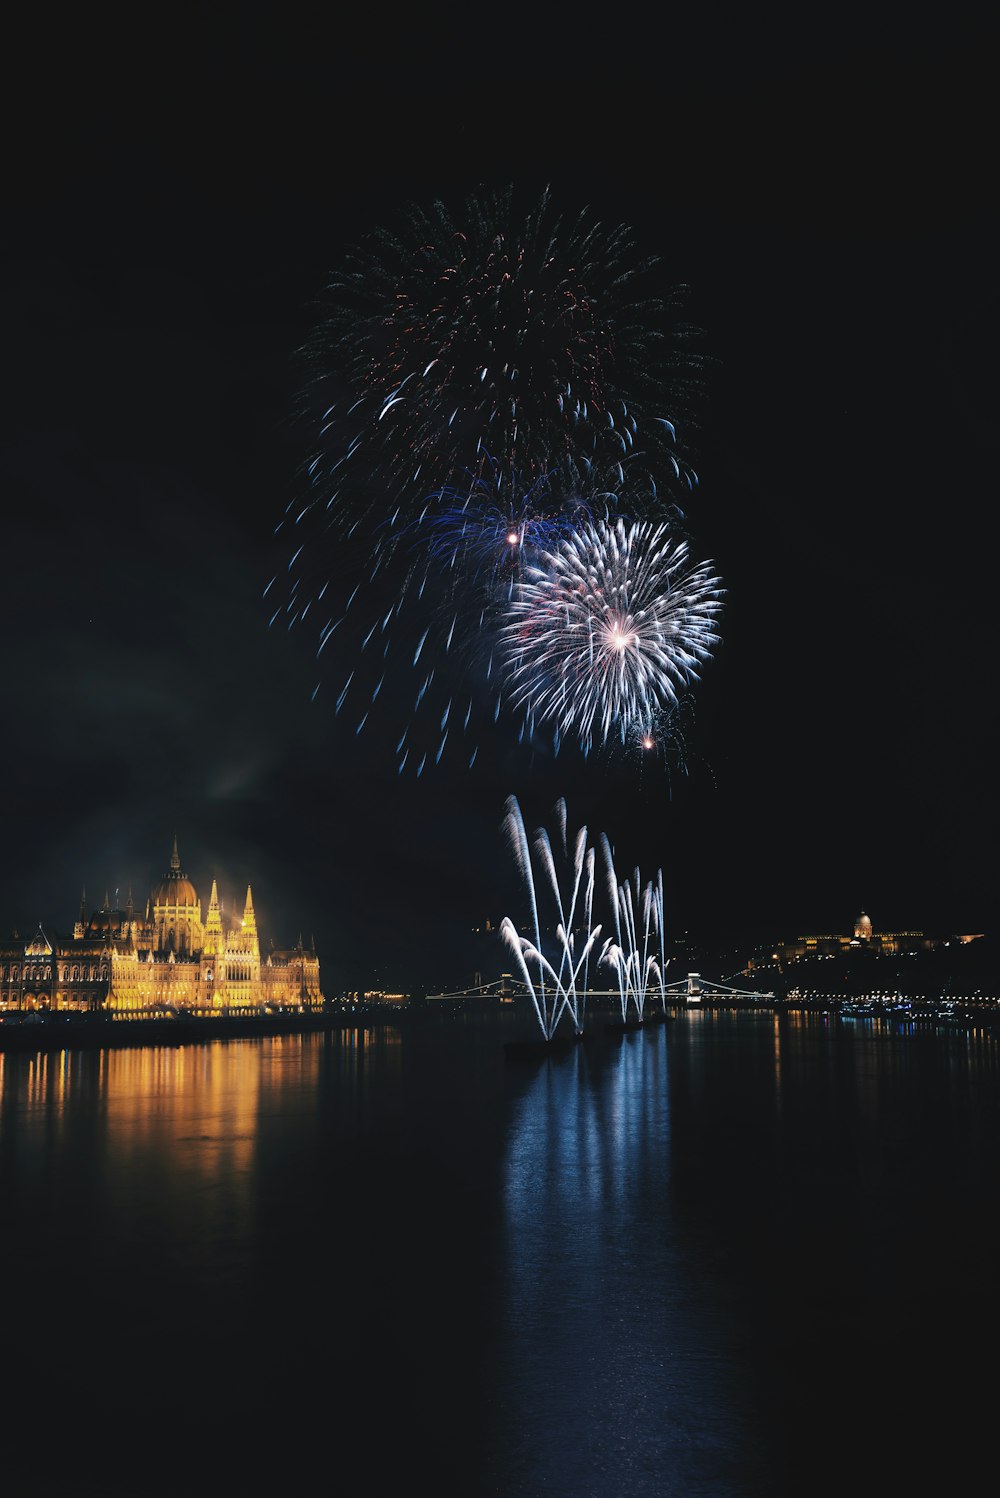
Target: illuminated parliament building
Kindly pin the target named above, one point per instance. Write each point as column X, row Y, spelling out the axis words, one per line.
column 166, row 961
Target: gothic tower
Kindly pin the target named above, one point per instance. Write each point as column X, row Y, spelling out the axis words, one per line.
column 242, row 956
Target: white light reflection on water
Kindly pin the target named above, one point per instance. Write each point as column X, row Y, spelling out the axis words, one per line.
column 619, row 1374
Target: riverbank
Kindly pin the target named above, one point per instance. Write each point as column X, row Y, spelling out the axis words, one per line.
column 70, row 1031
column 60, row 1031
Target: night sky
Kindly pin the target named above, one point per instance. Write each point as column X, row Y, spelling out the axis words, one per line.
column 173, row 206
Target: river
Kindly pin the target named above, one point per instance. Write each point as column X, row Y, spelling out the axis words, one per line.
column 738, row 1255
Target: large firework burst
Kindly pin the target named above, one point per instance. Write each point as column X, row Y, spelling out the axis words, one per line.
column 494, row 338
column 607, row 630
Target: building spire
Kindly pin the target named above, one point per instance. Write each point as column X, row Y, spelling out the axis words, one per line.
column 175, row 857
column 249, row 919
column 213, row 921
column 213, row 924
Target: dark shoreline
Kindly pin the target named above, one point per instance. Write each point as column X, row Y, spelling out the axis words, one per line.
column 59, row 1032
column 62, row 1031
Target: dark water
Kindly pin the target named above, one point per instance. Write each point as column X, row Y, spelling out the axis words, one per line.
column 735, row 1255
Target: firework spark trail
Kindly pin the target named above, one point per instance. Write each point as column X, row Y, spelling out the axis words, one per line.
column 454, row 575
column 588, row 913
column 488, row 528
column 583, row 859
column 519, row 945
column 544, row 340
column 661, row 971
column 518, row 838
column 609, row 630
column 611, row 882
column 564, row 995
column 633, row 964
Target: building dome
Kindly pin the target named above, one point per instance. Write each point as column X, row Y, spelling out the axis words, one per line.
column 178, row 891
column 863, row 927
column 175, row 888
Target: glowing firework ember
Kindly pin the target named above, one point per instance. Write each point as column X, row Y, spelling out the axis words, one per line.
column 607, row 629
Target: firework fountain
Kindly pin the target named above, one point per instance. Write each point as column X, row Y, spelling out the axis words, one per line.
column 558, row 981
column 632, row 956
column 553, row 981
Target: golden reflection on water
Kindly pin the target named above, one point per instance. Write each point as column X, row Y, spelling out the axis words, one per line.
column 145, row 1088
column 167, row 1146
column 204, row 1103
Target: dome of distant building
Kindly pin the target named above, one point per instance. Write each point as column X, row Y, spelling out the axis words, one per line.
column 175, row 888
column 863, row 927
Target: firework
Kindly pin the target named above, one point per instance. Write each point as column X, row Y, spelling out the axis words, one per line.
column 634, row 952
column 607, row 630
column 491, row 337
column 567, row 875
column 639, row 965
column 487, row 530
column 492, row 385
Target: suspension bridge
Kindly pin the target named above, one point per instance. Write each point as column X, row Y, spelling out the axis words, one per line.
column 690, row 991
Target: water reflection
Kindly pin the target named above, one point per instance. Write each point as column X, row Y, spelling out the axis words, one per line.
column 618, row 1371
column 663, row 1263
column 167, row 1145
column 715, row 1230
column 168, row 1214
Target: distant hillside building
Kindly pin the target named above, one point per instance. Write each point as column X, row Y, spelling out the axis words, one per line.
column 165, row 961
column 879, row 943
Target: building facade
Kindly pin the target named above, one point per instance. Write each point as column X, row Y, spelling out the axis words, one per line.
column 864, row 938
column 167, row 961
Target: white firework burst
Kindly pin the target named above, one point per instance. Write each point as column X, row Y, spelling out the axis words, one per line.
column 606, row 631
